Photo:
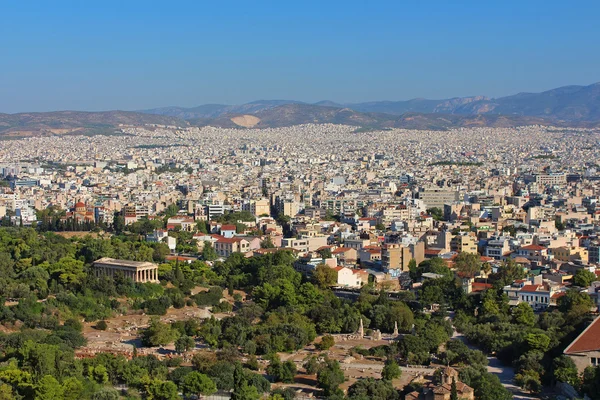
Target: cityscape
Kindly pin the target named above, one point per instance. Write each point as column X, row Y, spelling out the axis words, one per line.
column 342, row 249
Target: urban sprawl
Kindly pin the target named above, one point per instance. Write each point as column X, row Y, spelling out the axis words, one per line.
column 507, row 218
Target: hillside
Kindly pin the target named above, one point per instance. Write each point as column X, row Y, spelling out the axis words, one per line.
column 216, row 110
column 568, row 103
column 565, row 106
column 295, row 114
column 65, row 122
column 578, row 104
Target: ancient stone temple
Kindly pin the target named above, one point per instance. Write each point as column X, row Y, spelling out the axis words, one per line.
column 139, row 271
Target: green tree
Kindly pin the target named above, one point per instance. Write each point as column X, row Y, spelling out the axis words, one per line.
column 208, row 252
column 311, row 364
column 565, row 370
column 370, row 388
column 119, row 224
column 267, row 243
column 48, row 388
column 508, row 272
column 159, row 334
column 391, row 371
column 98, row 374
column 330, row 377
column 467, row 264
column 282, row 372
column 453, row 391
column 72, row 389
column 584, row 278
column 241, row 389
column 326, row 343
column 437, row 213
column 6, row 392
column 184, row 343
column 523, row 314
column 283, row 220
column 538, row 341
column 529, row 380
column 575, row 305
column 172, row 210
column 161, row 390
column 196, row 383
column 69, row 271
column 325, row 253
column 325, row 276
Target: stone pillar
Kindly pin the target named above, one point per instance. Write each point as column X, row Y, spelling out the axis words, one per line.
column 361, row 331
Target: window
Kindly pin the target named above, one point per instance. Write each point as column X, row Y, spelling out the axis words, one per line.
column 594, row 361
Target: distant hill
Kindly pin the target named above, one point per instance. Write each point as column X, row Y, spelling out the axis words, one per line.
column 296, row 114
column 66, row 122
column 568, row 103
column 216, row 110
column 564, row 106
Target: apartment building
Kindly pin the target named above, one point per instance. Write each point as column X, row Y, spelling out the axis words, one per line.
column 396, row 257
column 227, row 246
column 464, row 243
column 497, row 247
column 257, row 207
column 570, row 253
column 437, row 197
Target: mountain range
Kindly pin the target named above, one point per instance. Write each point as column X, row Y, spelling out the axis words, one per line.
column 567, row 103
column 577, row 106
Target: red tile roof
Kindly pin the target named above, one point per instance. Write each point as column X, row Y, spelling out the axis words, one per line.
column 480, row 287
column 432, row 251
column 227, row 227
column 588, row 340
column 533, row 247
column 530, row 288
column 341, row 250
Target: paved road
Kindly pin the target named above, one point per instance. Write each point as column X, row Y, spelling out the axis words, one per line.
column 506, row 374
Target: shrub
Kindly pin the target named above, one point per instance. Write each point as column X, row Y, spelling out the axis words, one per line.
column 101, row 325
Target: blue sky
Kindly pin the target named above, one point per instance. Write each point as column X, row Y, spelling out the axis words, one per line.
column 102, row 55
